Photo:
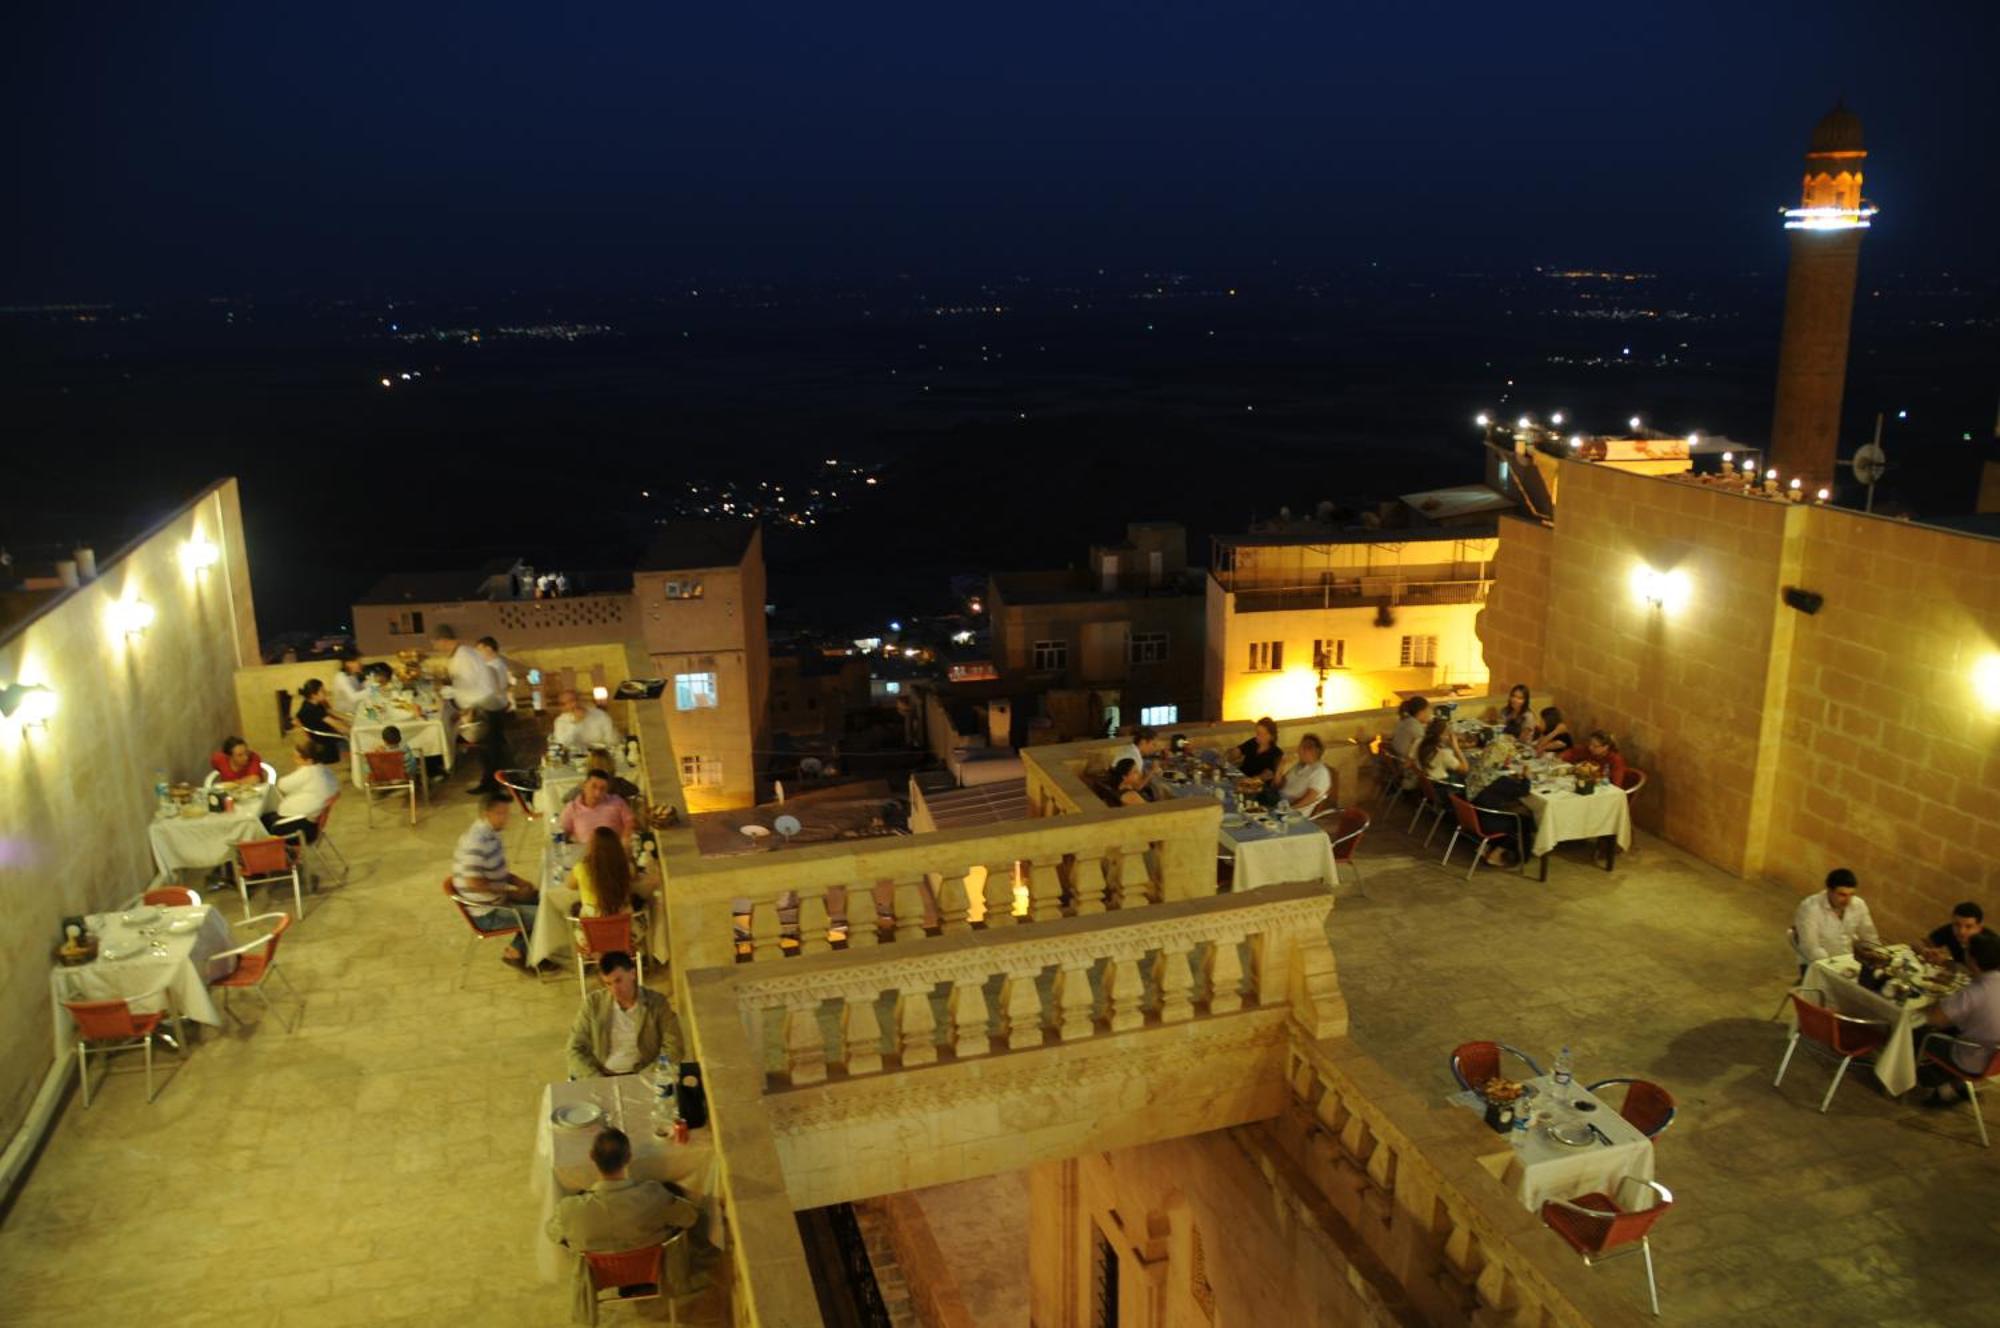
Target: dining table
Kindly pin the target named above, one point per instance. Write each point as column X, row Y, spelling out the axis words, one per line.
column 1838, row 979
column 164, row 953
column 554, row 916
column 194, row 837
column 1576, row 1144
column 1268, row 846
column 1562, row 814
column 562, row 1165
column 424, row 717
column 562, row 779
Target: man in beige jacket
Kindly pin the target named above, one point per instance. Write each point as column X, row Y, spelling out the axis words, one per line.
column 619, row 1213
column 622, row 1027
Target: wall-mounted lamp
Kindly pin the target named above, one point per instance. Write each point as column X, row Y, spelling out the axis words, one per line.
column 130, row 617
column 1662, row 590
column 1986, row 681
column 199, row 554
column 600, row 694
column 29, row 703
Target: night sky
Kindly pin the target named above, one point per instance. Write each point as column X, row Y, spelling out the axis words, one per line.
column 265, row 148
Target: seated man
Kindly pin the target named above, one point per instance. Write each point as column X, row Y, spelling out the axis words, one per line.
column 349, row 686
column 600, row 759
column 1145, row 745
column 1949, row 941
column 1827, row 924
column 581, row 726
column 1308, row 782
column 303, row 793
column 1972, row 1014
column 622, row 1027
column 619, row 1213
column 493, row 895
column 597, row 805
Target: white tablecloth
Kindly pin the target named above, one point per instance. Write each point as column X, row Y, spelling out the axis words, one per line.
column 552, row 915
column 1540, row 1169
column 1303, row 852
column 562, row 1158
column 425, row 737
column 1896, row 1063
column 184, row 970
column 205, row 841
column 1563, row 814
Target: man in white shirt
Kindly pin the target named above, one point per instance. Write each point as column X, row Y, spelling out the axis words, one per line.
column 1308, row 782
column 581, row 727
column 1972, row 1015
column 349, row 686
column 1827, row 924
column 1145, row 745
column 303, row 793
column 479, row 690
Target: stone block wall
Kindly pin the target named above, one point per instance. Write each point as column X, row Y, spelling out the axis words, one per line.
column 1512, row 623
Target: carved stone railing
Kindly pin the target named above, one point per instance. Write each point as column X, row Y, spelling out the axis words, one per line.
column 1407, row 1176
column 898, row 892
column 988, row 992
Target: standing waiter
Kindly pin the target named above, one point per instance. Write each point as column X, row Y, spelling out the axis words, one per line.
column 479, row 688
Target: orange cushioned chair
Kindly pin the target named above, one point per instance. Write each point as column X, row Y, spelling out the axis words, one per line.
column 638, row 1274
column 1473, row 1063
column 596, row 936
column 170, row 896
column 110, row 1026
column 256, row 961
column 1934, row 1054
column 1843, row 1035
column 1648, row 1108
column 1599, row 1227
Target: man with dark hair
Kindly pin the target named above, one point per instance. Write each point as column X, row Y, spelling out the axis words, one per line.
column 495, row 899
column 598, row 806
column 621, row 1027
column 620, row 1213
column 1827, row 924
column 480, row 693
column 1971, row 1016
column 1949, row 941
column 1308, row 782
column 1140, row 751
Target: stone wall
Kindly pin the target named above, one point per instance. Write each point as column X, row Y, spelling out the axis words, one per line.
column 78, row 793
column 1513, row 622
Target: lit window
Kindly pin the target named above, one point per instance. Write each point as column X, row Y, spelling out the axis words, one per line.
column 701, row 771
column 892, row 688
column 1156, row 716
column 1420, row 652
column 694, row 691
column 1267, row 656
column 407, row 624
column 1050, row 656
column 1148, row 648
column 1329, row 653
column 683, row 587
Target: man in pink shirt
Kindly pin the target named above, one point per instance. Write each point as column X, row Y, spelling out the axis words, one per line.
column 597, row 805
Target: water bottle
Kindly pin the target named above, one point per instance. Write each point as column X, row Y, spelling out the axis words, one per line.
column 665, row 1109
column 163, row 797
column 1563, row 1073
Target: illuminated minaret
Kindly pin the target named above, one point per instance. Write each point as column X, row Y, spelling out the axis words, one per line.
column 1826, row 230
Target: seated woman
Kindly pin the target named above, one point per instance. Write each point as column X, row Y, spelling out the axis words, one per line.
column 1260, row 757
column 603, row 877
column 1439, row 756
column 1128, row 781
column 1555, row 734
column 1601, row 750
column 235, row 763
column 1518, row 707
column 1493, row 787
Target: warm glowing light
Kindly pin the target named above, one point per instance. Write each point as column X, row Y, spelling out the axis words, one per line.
column 1728, row 458
column 600, row 694
column 1556, row 418
column 28, row 703
column 1666, row 591
column 198, row 554
column 1824, row 494
column 1986, row 681
column 130, row 616
column 1828, row 218
column 1575, row 441
column 1772, row 474
column 1694, row 440
column 1796, row 484
column 961, row 638
column 1523, row 422
column 1634, row 422
column 1481, row 420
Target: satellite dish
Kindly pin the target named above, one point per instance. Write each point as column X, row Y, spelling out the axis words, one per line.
column 1869, row 463
column 787, row 826
column 812, row 767
column 753, row 832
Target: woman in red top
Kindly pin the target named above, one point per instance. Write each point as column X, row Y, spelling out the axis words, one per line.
column 234, row 762
column 1600, row 749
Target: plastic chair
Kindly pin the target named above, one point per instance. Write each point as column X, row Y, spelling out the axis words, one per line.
column 638, row 1274
column 1842, row 1034
column 1469, row 827
column 256, row 961
column 113, row 1026
column 388, row 772
column 1648, row 1108
column 520, row 927
column 267, row 862
column 1634, row 780
column 1431, row 798
column 1387, row 770
column 1963, row 1076
column 1473, row 1063
column 1598, row 1227
column 1347, row 832
column 613, row 931
column 323, row 843
column 170, row 896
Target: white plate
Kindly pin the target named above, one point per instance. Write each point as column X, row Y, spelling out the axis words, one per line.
column 1572, row 1136
column 140, row 917
column 1234, row 821
column 577, row 1115
column 182, row 926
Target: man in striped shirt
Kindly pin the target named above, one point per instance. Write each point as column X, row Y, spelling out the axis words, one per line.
column 494, row 897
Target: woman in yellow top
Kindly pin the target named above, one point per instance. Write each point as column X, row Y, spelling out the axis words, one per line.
column 603, row 875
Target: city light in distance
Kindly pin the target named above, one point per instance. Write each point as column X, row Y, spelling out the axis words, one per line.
column 1523, row 422
column 1575, row 441
column 1828, row 218
column 1482, row 420
column 1634, row 422
column 1556, row 418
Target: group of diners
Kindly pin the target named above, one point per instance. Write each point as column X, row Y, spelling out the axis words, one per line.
column 1301, row 784
column 303, row 791
column 1828, row 922
column 1427, row 741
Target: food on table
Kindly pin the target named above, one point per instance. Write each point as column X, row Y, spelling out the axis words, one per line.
column 1498, row 1089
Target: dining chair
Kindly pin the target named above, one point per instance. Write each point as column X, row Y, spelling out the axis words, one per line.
column 1347, row 831
column 322, row 843
column 520, row 927
column 1473, row 1063
column 1648, row 1108
column 635, row 1274
column 1841, row 1034
column 1599, row 1227
column 1932, row 1052
column 389, row 772
column 593, row 936
column 267, row 862
column 1431, row 798
column 1469, row 827
column 524, row 785
column 255, row 961
column 111, row 1026
column 170, row 896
